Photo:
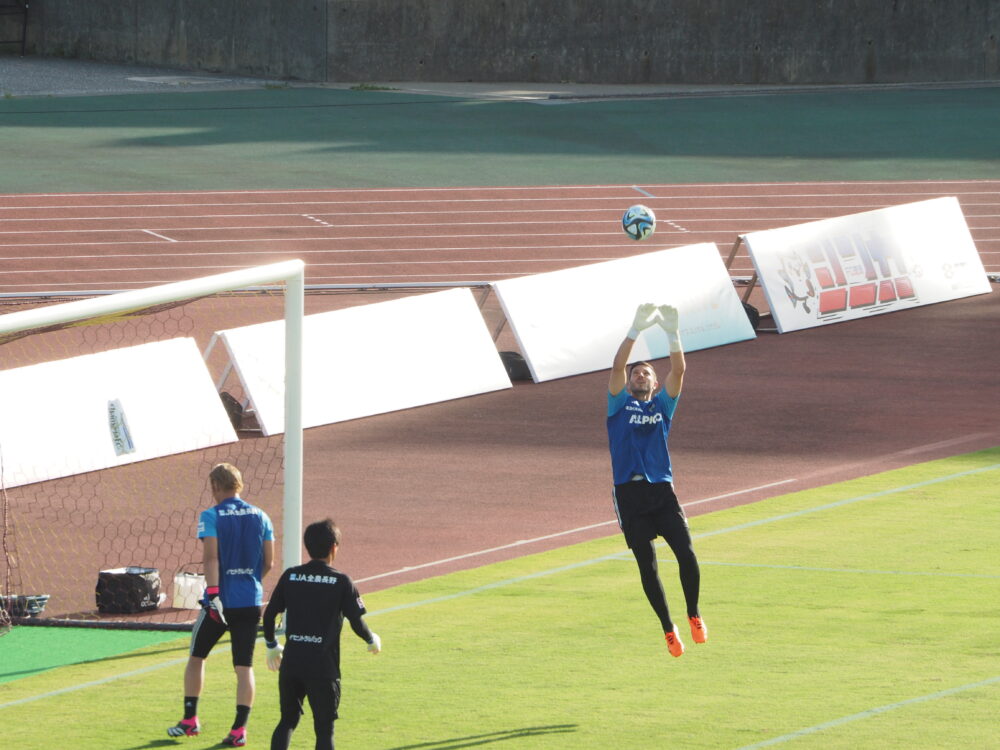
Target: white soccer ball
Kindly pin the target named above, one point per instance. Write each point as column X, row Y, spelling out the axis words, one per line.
column 639, row 222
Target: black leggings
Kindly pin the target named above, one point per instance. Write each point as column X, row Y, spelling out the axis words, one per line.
column 324, row 700
column 690, row 574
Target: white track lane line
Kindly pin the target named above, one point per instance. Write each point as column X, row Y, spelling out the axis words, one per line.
column 922, row 184
column 149, row 231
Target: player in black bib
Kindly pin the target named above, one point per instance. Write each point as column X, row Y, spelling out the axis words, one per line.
column 315, row 598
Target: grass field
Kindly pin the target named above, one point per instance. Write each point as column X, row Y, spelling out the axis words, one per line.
column 859, row 615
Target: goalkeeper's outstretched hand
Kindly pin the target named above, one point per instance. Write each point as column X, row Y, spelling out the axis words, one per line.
column 212, row 604
column 644, row 318
column 376, row 644
column 670, row 318
column 274, row 656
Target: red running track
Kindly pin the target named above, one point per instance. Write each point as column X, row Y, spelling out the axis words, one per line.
column 466, row 482
column 464, row 235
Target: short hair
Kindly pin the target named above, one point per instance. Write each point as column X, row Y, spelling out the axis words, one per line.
column 641, row 364
column 320, row 537
column 226, row 477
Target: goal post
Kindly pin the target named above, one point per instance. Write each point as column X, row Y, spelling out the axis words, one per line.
column 123, row 305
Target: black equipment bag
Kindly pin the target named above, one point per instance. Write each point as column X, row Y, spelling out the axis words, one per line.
column 126, row 591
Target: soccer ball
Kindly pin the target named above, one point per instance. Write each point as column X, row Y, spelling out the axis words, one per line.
column 639, row 222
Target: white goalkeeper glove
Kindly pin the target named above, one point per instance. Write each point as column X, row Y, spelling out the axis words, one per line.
column 643, row 319
column 376, row 644
column 212, row 604
column 670, row 322
column 274, row 650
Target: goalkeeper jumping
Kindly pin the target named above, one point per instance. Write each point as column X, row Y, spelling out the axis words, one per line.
column 639, row 418
column 316, row 597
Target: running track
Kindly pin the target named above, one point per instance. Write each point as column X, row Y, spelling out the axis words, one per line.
column 458, row 484
column 465, row 235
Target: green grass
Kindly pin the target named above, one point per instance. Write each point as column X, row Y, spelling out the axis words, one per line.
column 862, row 614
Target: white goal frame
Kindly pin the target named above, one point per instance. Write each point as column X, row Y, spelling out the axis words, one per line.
column 292, row 274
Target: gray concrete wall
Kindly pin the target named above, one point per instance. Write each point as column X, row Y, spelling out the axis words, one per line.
column 587, row 41
column 272, row 38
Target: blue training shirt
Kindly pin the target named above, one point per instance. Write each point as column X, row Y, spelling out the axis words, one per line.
column 241, row 530
column 637, row 436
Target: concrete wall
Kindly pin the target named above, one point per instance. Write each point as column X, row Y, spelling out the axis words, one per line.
column 599, row 41
column 272, row 38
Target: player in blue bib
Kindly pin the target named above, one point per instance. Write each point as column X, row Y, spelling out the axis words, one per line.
column 238, row 551
column 640, row 414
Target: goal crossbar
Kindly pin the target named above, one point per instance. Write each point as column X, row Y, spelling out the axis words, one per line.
column 292, row 274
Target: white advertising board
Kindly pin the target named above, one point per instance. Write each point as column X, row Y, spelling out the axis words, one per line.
column 572, row 321
column 860, row 265
column 108, row 409
column 371, row 359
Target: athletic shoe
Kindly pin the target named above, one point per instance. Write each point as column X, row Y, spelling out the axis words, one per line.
column 185, row 728
column 236, row 738
column 674, row 642
column 699, row 630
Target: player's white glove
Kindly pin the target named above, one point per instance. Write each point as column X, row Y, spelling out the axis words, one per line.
column 643, row 319
column 670, row 322
column 274, row 650
column 212, row 604
column 376, row 644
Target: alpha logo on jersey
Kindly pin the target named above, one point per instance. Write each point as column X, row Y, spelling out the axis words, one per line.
column 645, row 419
column 311, row 578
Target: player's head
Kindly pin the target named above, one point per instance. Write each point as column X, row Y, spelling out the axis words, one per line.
column 226, row 478
column 641, row 379
column 320, row 538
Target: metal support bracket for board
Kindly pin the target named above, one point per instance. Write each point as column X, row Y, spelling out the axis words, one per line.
column 498, row 329
column 729, row 262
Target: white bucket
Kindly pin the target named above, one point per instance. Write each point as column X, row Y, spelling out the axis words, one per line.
column 188, row 588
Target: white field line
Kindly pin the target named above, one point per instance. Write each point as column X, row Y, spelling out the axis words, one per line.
column 522, row 542
column 810, row 569
column 574, row 566
column 872, row 712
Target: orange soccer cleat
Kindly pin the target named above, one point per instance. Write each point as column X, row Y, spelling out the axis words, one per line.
column 699, row 631
column 674, row 642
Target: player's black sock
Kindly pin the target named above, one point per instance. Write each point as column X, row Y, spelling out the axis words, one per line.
column 190, row 706
column 242, row 714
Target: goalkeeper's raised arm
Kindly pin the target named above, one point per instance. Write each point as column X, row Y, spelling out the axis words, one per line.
column 639, row 417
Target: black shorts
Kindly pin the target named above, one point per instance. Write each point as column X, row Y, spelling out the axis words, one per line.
column 646, row 511
column 242, row 627
column 324, row 699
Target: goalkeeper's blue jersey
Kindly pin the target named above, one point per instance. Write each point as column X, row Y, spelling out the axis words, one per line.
column 637, row 436
column 241, row 530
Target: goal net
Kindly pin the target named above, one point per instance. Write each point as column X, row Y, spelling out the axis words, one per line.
column 111, row 418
